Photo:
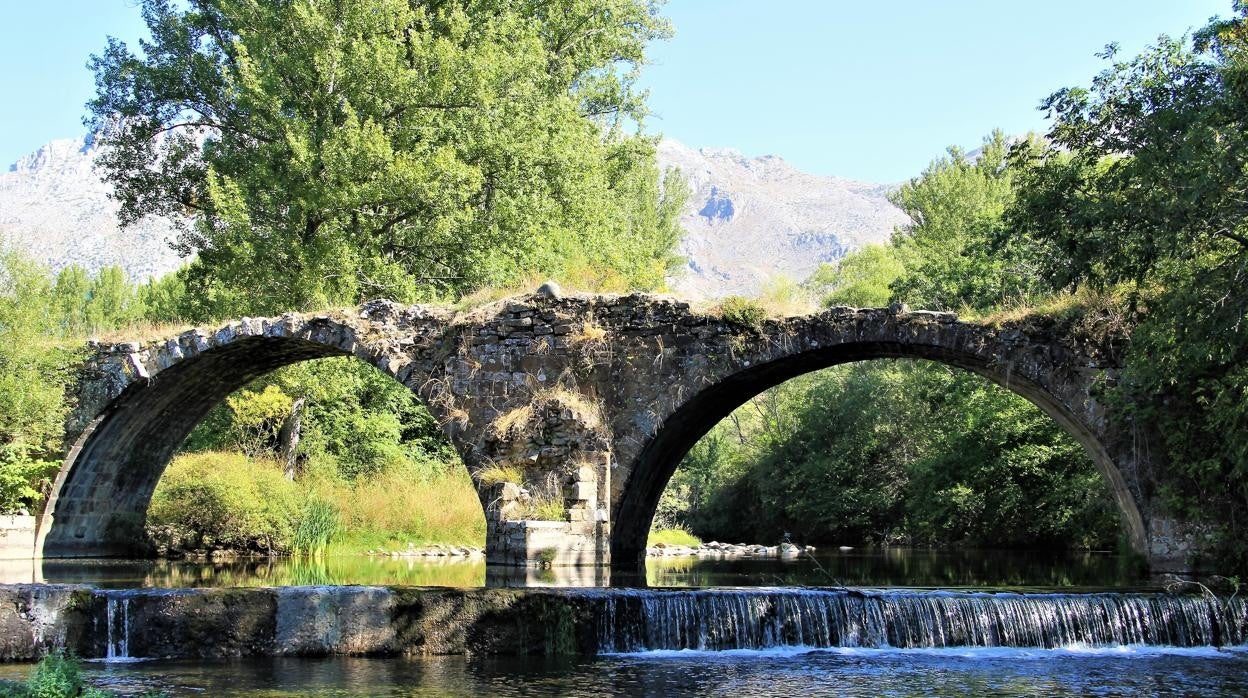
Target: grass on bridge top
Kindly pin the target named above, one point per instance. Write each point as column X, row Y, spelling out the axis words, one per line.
column 779, row 298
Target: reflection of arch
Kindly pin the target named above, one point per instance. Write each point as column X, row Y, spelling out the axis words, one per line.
column 656, row 462
column 102, row 492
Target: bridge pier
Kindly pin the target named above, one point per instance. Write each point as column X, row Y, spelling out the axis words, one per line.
column 548, row 544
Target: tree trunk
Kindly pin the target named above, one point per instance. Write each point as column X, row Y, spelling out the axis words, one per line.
column 288, row 440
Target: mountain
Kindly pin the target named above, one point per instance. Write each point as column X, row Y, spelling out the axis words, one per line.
column 749, row 219
column 54, row 206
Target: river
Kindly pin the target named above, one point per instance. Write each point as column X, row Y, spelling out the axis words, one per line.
column 785, row 672
column 1084, row 624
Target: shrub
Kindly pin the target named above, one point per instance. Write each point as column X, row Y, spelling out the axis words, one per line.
column 20, row 482
column 57, row 675
column 742, row 311
column 215, row 500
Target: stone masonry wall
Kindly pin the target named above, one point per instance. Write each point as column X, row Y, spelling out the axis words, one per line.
column 570, row 409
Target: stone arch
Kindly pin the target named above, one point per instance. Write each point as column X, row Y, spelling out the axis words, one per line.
column 656, row 461
column 138, row 403
column 656, row 373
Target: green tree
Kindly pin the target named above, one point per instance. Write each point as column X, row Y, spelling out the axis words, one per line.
column 862, row 278
column 1142, row 189
column 956, row 207
column 34, row 373
column 892, row 451
column 322, row 152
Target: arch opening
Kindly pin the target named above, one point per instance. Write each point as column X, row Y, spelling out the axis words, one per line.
column 101, row 498
column 658, row 459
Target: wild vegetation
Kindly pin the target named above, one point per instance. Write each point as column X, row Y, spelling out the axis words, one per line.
column 892, row 452
column 1127, row 219
column 324, row 153
column 59, row 675
column 351, row 150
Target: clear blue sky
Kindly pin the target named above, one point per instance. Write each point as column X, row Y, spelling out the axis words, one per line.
column 869, row 90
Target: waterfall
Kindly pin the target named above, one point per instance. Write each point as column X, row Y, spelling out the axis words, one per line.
column 637, row 620
column 117, row 618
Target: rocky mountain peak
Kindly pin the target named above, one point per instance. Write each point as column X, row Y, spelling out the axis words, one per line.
column 753, row 218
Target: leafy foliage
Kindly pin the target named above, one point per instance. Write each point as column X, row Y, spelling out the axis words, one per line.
column 861, row 279
column 42, row 322
column 1142, row 189
column 257, row 418
column 325, row 153
column 956, row 206
column 59, row 675
column 892, row 452
column 224, row 501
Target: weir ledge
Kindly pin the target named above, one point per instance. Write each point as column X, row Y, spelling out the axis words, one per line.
column 358, row 620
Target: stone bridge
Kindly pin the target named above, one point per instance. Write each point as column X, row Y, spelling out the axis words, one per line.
column 590, row 401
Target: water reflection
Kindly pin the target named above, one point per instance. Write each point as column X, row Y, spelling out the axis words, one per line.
column 865, row 567
column 266, row 572
column 872, row 567
column 1123, row 671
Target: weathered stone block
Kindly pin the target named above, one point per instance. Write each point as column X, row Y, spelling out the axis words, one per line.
column 585, row 491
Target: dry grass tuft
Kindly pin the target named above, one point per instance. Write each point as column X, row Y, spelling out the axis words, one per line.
column 495, row 474
column 143, row 332
column 590, row 333
column 782, row 297
column 589, row 411
column 779, row 298
column 543, row 507
column 1059, row 309
column 454, row 415
column 506, row 423
column 488, row 296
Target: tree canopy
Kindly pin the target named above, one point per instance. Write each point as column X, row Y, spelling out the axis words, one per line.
column 319, row 151
column 1142, row 190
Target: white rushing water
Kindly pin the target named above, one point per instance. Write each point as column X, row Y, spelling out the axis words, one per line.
column 118, row 621
column 756, row 619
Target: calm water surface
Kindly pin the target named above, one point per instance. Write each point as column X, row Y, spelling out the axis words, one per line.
column 791, row 672
column 863, row 567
